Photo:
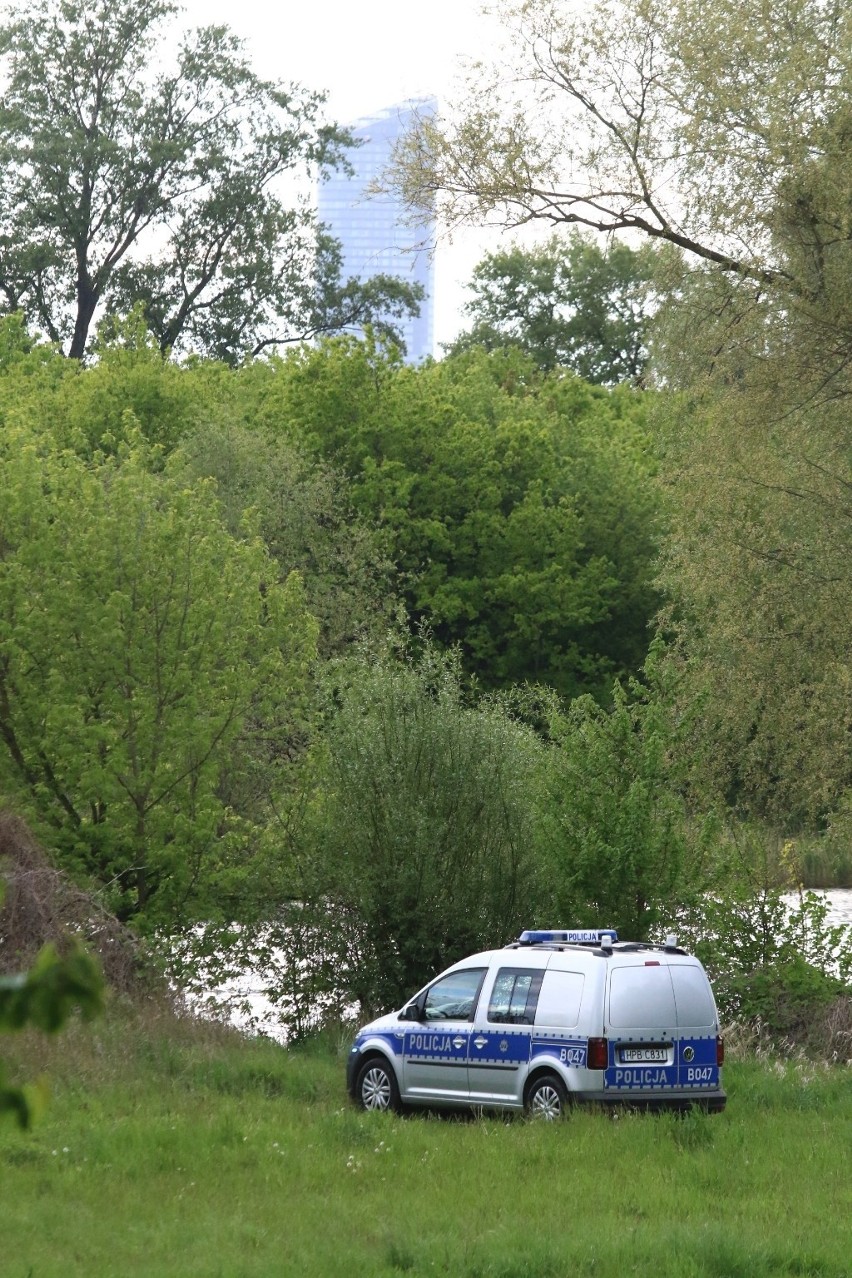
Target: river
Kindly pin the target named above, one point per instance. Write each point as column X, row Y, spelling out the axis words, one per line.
column 244, row 1003
column 839, row 905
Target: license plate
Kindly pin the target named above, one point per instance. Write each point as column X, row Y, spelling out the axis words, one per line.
column 652, row 1055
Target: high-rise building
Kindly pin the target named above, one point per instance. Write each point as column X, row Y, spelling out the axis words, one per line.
column 371, row 228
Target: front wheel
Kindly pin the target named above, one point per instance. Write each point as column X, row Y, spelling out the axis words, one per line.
column 546, row 1098
column 376, row 1085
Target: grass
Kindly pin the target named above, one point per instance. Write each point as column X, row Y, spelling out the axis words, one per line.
column 173, row 1149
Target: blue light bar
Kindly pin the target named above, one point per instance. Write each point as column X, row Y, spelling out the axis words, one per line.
column 576, row 936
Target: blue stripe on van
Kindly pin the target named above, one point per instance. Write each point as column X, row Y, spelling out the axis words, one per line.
column 570, row 1051
column 695, row 1067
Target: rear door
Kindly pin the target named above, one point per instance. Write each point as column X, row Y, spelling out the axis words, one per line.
column 698, row 1027
column 641, row 1029
column 661, row 1028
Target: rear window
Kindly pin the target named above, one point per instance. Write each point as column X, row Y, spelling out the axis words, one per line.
column 560, row 998
column 641, row 998
column 693, row 998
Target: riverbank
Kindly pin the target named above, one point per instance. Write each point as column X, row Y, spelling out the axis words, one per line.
column 173, row 1148
column 244, row 1000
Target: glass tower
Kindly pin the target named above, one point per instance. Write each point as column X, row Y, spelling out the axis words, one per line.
column 371, row 229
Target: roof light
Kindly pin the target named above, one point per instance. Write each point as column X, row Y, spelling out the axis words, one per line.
column 570, row 936
column 671, row 940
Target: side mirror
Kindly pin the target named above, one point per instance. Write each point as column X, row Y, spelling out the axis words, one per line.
column 410, row 1012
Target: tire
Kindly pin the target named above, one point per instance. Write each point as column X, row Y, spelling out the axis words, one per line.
column 376, row 1086
column 546, row 1098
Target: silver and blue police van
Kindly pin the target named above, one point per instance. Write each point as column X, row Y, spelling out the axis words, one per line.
column 557, row 1018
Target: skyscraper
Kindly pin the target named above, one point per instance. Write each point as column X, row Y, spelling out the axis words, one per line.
column 371, row 228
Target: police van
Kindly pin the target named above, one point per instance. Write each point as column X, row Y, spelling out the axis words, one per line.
column 553, row 1019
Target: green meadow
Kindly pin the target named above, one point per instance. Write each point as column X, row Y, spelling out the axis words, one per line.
column 171, row 1148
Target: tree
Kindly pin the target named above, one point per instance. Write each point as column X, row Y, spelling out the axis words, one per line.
column 723, row 130
column 684, row 122
column 121, row 184
column 427, row 821
column 758, row 566
column 623, row 853
column 140, row 642
column 519, row 509
column 306, row 518
column 566, row 304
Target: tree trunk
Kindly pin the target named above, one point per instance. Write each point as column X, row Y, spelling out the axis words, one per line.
column 87, row 300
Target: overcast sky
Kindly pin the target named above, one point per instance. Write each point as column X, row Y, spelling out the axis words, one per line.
column 370, row 54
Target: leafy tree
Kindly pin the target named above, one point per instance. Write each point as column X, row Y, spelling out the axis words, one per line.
column 305, row 516
column 140, row 641
column 519, row 510
column 758, row 572
column 685, row 122
column 624, row 853
column 723, row 130
column 567, row 304
column 84, row 407
column 427, row 827
column 121, row 184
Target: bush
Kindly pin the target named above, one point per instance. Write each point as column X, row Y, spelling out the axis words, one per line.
column 779, row 967
column 426, row 835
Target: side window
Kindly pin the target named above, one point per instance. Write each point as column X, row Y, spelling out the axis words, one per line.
column 514, row 996
column 453, row 997
column 695, row 1006
column 559, row 1002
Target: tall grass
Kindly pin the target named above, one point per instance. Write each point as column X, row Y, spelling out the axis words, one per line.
column 174, row 1149
column 826, row 865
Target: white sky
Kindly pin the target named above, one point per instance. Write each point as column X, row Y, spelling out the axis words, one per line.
column 369, row 54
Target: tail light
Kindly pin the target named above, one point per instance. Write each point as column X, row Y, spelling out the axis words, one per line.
column 598, row 1054
column 720, row 1050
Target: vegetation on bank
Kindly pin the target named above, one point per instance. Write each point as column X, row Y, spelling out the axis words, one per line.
column 175, row 1148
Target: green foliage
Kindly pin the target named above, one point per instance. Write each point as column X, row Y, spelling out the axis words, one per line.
column 427, row 823
column 140, row 642
column 722, row 130
column 302, row 509
column 519, row 510
column 129, row 178
column 624, row 854
column 566, row 304
column 44, row 997
column 771, row 962
column 758, row 561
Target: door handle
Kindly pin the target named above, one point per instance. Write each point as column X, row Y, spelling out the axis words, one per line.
column 458, row 1042
column 480, row 1042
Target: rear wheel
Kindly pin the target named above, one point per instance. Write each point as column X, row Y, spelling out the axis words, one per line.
column 546, row 1098
column 376, row 1085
